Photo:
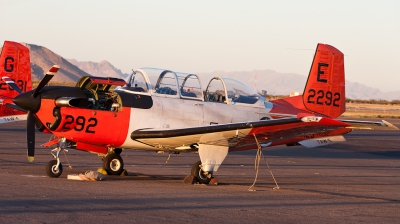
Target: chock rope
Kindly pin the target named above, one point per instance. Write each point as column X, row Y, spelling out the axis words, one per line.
column 69, row 164
column 257, row 166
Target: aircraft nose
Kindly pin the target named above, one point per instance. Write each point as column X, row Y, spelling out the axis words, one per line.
column 27, row 102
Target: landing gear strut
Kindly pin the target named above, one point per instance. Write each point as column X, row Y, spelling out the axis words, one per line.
column 113, row 164
column 54, row 167
column 202, row 176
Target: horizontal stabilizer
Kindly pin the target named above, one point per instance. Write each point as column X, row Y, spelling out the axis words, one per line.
column 370, row 125
column 12, row 118
column 315, row 142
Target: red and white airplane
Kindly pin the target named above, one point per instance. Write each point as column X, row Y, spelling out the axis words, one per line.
column 14, row 64
column 163, row 110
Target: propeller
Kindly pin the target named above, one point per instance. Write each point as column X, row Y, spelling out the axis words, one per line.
column 30, row 135
column 31, row 103
column 11, row 83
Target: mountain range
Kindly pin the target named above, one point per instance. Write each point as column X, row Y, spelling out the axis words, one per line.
column 274, row 82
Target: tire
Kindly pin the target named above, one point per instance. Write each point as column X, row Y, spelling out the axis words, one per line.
column 50, row 169
column 199, row 174
column 113, row 164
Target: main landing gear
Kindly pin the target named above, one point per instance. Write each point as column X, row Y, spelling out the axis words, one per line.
column 202, row 177
column 211, row 157
column 113, row 163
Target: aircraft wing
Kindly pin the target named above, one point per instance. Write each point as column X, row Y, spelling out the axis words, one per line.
column 370, row 125
column 236, row 134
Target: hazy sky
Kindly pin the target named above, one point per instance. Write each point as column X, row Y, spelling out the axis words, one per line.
column 204, row 36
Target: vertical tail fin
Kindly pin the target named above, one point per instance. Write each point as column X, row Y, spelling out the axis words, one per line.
column 15, row 64
column 325, row 89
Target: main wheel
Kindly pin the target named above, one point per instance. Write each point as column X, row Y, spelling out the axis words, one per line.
column 51, row 169
column 202, row 177
column 113, row 164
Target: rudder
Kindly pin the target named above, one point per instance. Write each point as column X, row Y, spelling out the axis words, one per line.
column 15, row 64
column 324, row 92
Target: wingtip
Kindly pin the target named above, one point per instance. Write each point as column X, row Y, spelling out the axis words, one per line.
column 31, row 158
column 390, row 125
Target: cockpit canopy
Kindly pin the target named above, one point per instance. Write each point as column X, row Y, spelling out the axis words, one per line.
column 167, row 83
column 231, row 91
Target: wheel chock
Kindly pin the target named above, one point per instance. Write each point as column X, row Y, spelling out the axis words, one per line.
column 190, row 180
column 102, row 171
column 124, row 173
column 213, row 181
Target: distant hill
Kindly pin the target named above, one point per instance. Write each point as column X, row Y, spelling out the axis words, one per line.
column 103, row 68
column 274, row 82
column 284, row 83
column 42, row 59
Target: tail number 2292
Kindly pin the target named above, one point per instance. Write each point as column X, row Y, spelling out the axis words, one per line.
column 321, row 97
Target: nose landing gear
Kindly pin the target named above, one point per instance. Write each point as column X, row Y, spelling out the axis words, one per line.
column 54, row 167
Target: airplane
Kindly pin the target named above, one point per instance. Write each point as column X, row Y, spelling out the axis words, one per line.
column 167, row 111
column 15, row 65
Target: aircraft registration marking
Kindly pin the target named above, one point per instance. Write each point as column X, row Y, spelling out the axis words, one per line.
column 9, row 64
column 318, row 135
column 328, row 96
column 80, row 123
column 324, row 141
column 9, row 67
column 20, row 83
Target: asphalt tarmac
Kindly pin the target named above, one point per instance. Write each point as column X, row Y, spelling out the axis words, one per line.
column 354, row 181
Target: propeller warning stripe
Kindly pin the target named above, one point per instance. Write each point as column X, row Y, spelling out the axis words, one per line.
column 53, row 70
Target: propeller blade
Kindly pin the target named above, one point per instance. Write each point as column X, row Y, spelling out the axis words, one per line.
column 13, row 106
column 49, row 75
column 30, row 131
column 12, row 84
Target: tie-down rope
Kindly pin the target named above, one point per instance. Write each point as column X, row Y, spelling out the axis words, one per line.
column 257, row 165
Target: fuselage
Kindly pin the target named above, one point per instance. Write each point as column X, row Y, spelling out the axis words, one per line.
column 108, row 117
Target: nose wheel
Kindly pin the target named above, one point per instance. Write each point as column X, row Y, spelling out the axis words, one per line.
column 53, row 169
column 113, row 164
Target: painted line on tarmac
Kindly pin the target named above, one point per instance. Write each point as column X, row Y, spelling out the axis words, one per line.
column 32, row 176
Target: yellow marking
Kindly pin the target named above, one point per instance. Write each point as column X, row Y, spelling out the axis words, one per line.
column 102, row 171
column 31, row 158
